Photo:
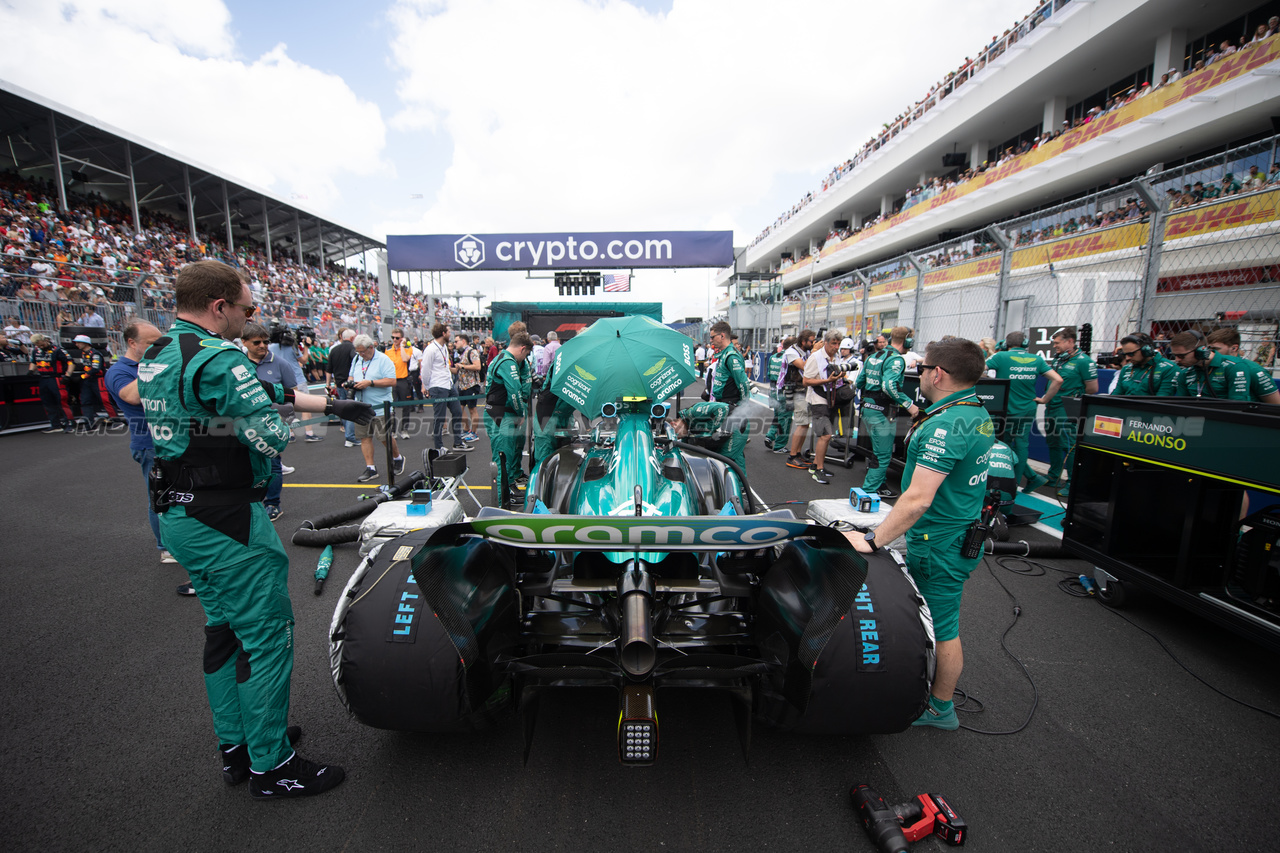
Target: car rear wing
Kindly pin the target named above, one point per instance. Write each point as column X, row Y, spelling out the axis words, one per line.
column 642, row 533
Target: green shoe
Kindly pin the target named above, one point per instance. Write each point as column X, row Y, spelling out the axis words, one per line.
column 1065, row 491
column 1035, row 483
column 947, row 721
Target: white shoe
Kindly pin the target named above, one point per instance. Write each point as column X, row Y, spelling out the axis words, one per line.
column 350, row 444
column 166, row 557
column 404, row 436
column 286, row 469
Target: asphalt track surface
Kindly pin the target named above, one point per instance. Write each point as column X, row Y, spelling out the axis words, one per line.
column 107, row 743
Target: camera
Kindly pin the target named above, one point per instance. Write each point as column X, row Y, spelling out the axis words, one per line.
column 349, row 385
column 1109, row 360
column 836, row 369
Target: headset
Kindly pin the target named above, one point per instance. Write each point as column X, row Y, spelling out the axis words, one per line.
column 1144, row 343
column 909, row 342
column 1202, row 350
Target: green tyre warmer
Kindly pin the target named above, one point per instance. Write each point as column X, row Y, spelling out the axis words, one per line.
column 249, row 633
column 855, row 652
column 880, row 429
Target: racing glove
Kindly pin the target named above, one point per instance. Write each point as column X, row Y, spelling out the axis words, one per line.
column 350, row 410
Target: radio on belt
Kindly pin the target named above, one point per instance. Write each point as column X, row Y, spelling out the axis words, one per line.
column 864, row 501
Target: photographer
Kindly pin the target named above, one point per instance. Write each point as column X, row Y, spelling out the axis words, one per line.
column 820, row 373
column 944, row 484
column 1146, row 373
column 880, row 382
column 340, row 358
column 1079, row 376
column 794, row 360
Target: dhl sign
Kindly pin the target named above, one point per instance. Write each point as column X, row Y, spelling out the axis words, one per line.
column 1242, row 62
column 897, row 285
column 1093, row 243
column 1231, row 213
column 960, row 272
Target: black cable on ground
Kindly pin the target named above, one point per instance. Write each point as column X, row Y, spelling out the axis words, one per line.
column 1035, row 701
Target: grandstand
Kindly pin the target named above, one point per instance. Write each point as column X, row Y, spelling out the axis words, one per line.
column 1103, row 163
column 89, row 213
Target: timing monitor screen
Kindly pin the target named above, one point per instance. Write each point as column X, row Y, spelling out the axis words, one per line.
column 564, row 325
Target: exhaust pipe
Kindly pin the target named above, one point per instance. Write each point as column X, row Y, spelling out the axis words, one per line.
column 637, row 725
column 637, row 651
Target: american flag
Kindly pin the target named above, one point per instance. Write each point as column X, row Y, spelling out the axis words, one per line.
column 617, row 284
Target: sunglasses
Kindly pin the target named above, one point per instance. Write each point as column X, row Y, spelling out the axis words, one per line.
column 924, row 367
column 1182, row 354
column 248, row 310
column 1128, row 354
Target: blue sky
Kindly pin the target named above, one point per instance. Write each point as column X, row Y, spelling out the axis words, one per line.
column 506, row 115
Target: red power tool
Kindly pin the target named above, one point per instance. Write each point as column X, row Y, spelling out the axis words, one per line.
column 890, row 828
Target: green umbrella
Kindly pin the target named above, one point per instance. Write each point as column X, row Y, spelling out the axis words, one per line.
column 621, row 357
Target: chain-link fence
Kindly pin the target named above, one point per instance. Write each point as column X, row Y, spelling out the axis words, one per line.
column 1192, row 247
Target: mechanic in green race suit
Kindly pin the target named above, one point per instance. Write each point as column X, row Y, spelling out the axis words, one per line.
column 779, row 433
column 705, row 422
column 504, row 407
column 730, row 384
column 551, row 415
column 1262, row 388
column 944, row 484
column 1079, row 376
column 1206, row 373
column 1021, row 368
column 215, row 434
column 1147, row 373
column 880, row 382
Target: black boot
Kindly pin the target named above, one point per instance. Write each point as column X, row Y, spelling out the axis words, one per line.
column 235, row 759
column 297, row 777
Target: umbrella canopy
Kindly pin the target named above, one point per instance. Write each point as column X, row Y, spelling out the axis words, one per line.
column 621, row 357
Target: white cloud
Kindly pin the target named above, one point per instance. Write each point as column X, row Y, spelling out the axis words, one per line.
column 168, row 72
column 595, row 114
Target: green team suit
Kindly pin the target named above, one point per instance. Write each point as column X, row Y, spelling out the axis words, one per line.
column 1021, row 369
column 880, row 382
column 705, row 421
column 1260, row 382
column 552, row 414
column 732, row 387
column 954, row 439
column 215, row 434
column 1076, row 370
column 1221, row 376
column 731, row 384
column 504, row 412
column 779, row 432
column 1156, row 377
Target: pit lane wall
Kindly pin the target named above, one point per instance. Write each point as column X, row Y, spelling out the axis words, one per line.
column 1103, row 260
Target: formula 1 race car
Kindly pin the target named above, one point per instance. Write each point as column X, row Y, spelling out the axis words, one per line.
column 641, row 562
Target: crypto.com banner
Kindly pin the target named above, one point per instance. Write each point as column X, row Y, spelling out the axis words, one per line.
column 561, row 250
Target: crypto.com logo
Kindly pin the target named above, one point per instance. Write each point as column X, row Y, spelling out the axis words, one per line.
column 468, row 251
